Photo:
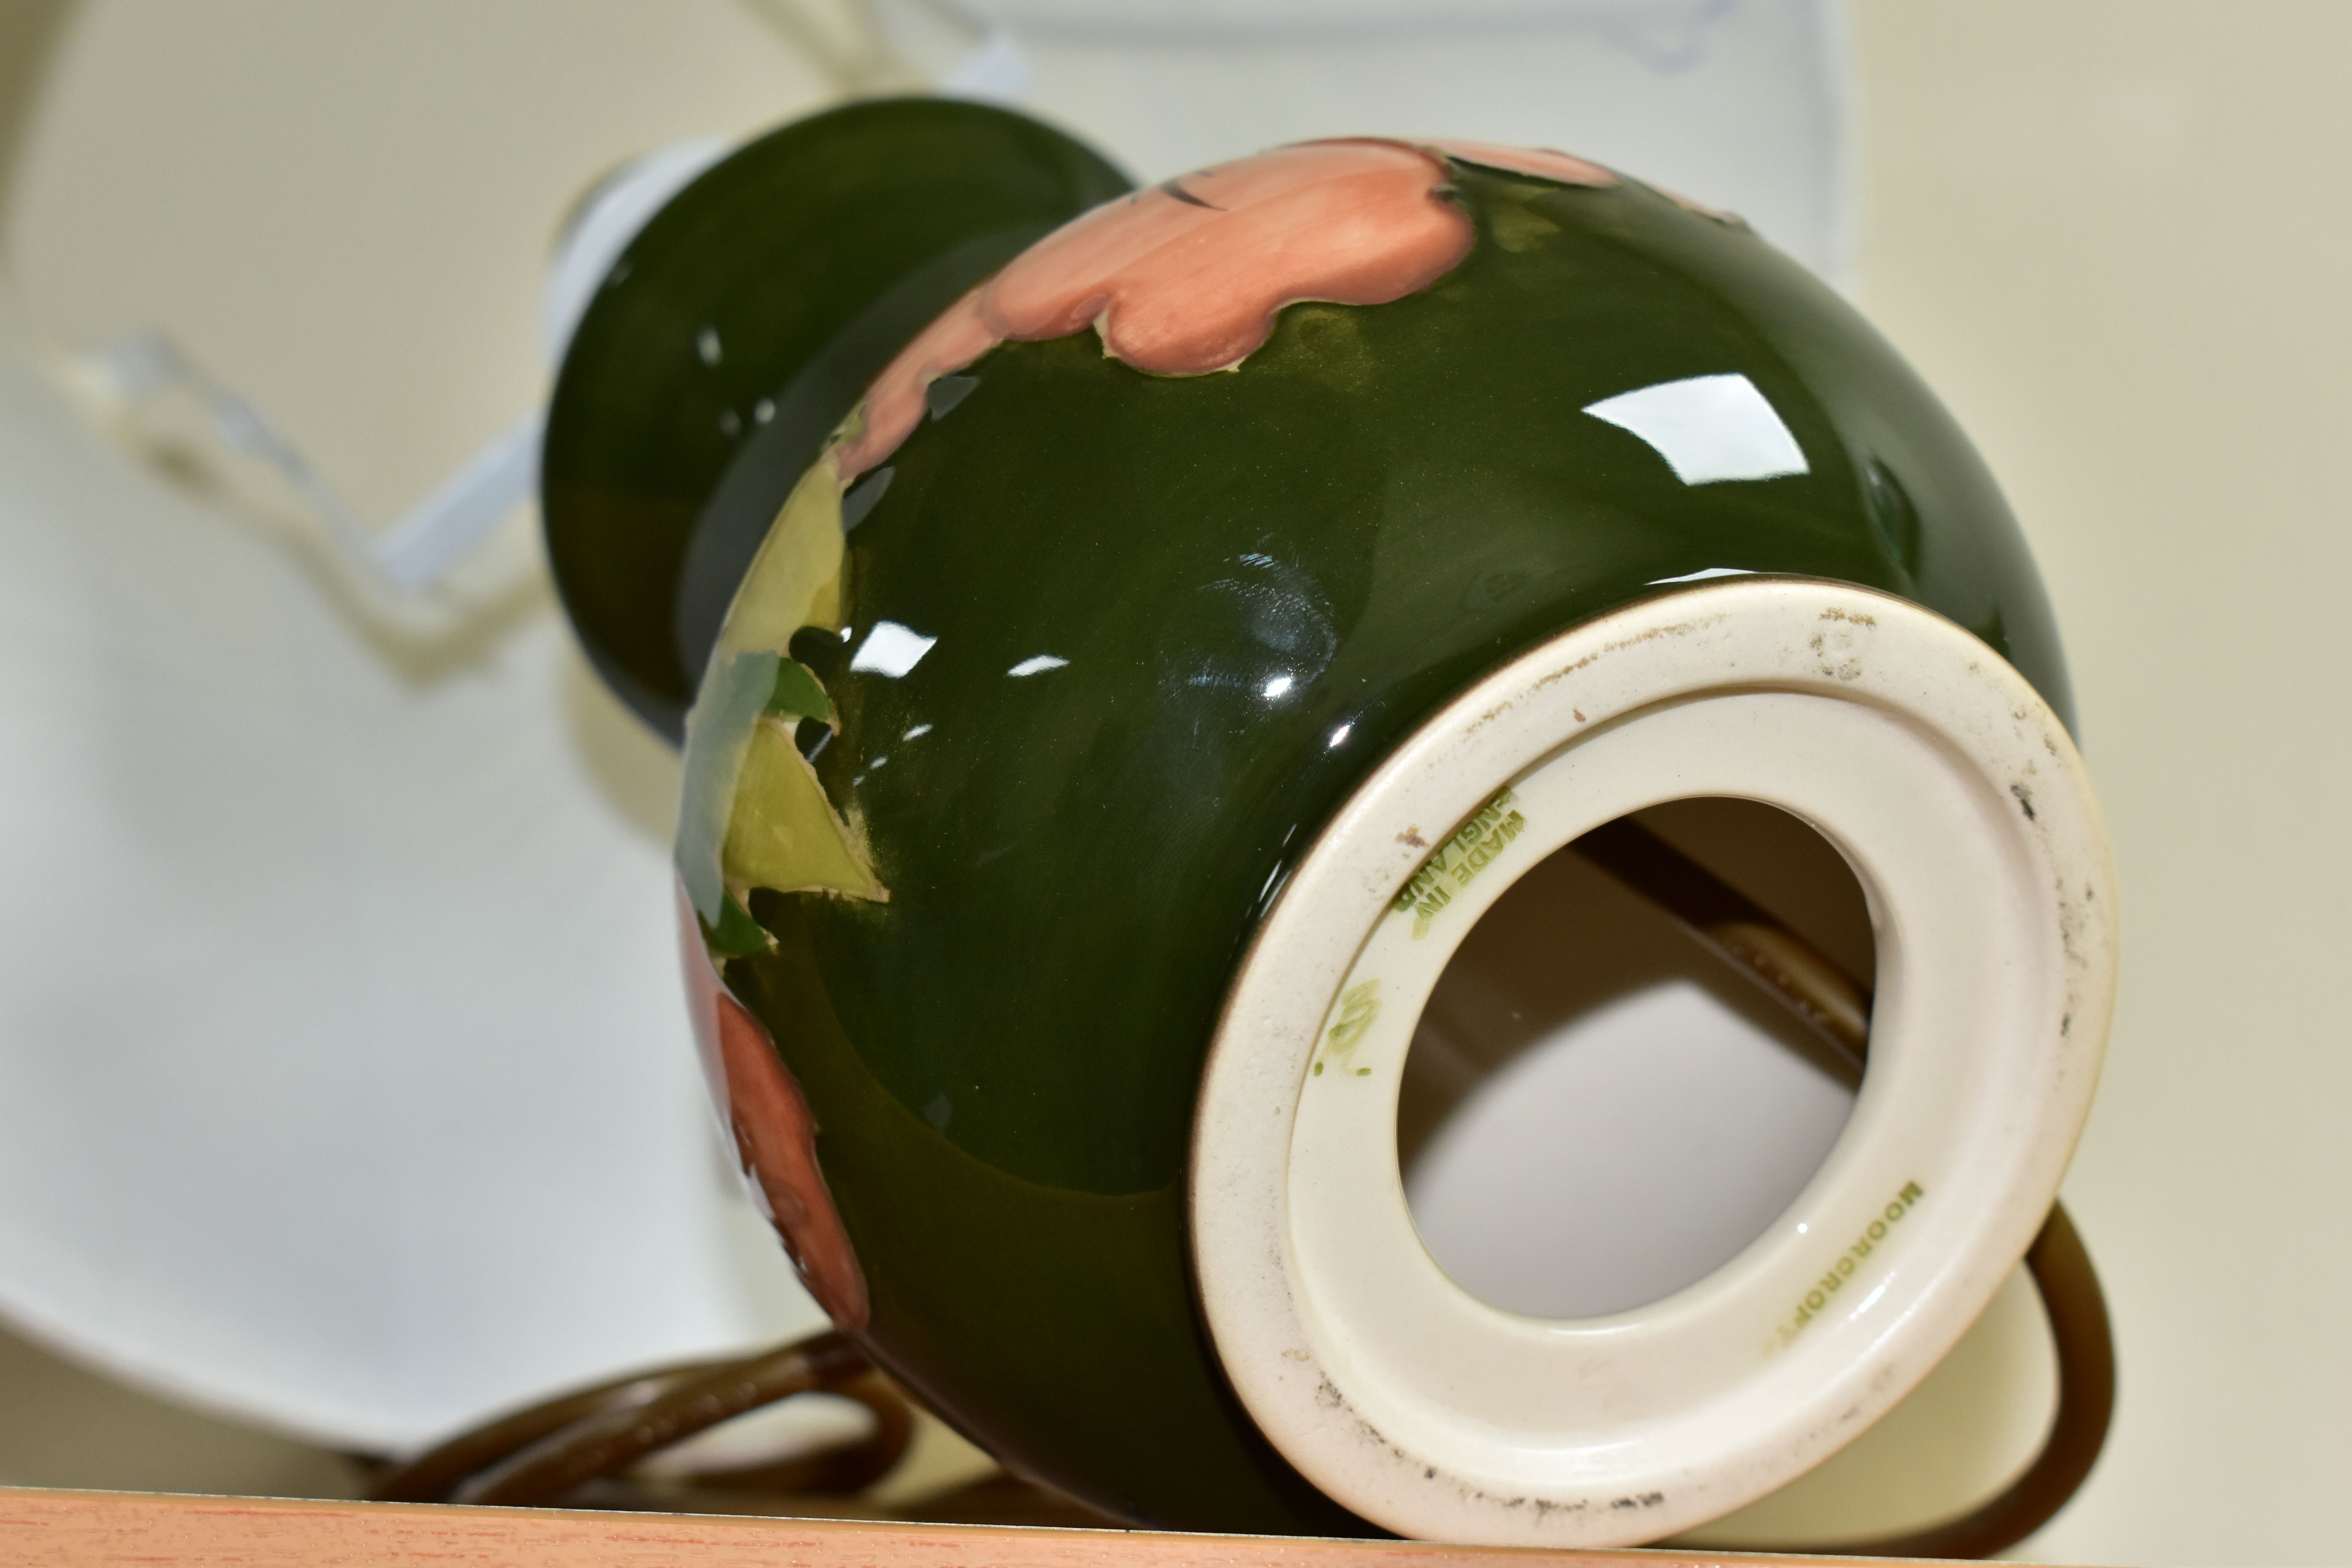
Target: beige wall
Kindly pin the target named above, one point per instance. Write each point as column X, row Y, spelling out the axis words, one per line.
column 343, row 209
column 2116, row 236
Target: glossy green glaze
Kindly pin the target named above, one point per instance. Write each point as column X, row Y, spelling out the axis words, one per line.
column 1176, row 619
column 735, row 330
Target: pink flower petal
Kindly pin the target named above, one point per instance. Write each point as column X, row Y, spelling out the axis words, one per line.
column 1188, row 278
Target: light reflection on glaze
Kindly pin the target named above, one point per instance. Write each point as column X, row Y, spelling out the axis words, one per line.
column 1183, row 280
column 1188, row 277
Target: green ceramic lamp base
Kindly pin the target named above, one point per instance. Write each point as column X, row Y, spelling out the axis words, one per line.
column 740, row 327
column 1056, row 672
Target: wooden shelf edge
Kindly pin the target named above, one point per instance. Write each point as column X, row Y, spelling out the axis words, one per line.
column 43, row 1528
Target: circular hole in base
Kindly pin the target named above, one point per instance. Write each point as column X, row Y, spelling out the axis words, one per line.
column 1597, row 1110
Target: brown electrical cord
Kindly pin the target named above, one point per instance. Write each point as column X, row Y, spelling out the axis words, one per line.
column 544, row 1453
column 2077, row 1311
column 1794, row 972
column 579, row 1445
column 1735, row 929
column 434, row 1475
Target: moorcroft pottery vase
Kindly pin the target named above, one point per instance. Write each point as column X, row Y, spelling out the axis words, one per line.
column 1123, row 641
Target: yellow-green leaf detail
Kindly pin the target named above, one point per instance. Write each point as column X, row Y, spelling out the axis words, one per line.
column 785, row 834
column 752, row 812
column 795, row 580
column 798, row 694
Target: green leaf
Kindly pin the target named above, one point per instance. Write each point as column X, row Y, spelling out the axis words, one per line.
column 798, row 694
column 782, row 833
column 737, row 934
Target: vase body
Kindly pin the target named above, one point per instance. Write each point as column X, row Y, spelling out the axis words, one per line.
column 1105, row 652
column 738, row 327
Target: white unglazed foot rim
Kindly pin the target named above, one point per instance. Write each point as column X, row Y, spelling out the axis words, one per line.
column 1958, row 799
